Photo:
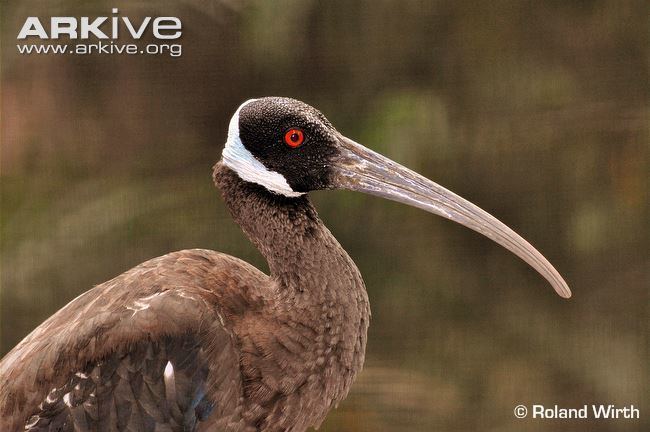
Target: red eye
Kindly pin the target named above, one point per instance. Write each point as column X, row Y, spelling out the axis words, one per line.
column 294, row 138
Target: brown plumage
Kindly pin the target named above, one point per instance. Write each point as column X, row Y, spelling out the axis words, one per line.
column 270, row 352
column 198, row 340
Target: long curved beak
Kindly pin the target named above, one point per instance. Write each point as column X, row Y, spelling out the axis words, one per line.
column 361, row 169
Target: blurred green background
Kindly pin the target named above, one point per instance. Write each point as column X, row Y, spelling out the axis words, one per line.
column 537, row 111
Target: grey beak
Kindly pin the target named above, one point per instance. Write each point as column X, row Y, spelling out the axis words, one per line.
column 361, row 169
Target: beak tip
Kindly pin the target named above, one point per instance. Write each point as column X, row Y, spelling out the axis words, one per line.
column 564, row 291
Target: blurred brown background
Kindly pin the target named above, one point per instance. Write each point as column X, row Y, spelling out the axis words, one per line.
column 538, row 111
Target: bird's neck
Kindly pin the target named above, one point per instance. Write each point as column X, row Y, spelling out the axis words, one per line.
column 286, row 230
column 316, row 296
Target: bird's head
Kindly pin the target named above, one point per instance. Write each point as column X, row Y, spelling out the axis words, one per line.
column 290, row 148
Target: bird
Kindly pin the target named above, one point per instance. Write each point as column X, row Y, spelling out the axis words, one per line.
column 197, row 340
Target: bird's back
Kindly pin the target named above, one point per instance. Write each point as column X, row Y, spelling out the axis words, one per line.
column 151, row 349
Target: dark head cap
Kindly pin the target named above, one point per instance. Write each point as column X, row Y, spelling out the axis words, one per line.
column 282, row 144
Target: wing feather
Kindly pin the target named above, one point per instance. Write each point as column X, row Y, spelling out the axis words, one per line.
column 103, row 361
